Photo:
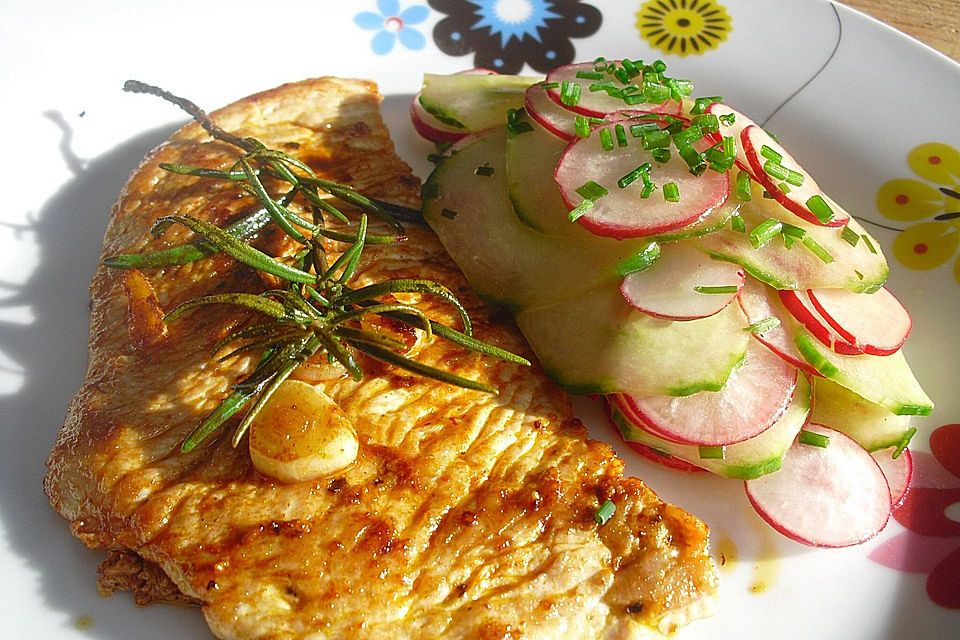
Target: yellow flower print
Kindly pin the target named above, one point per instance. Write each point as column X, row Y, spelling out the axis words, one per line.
column 683, row 27
column 936, row 208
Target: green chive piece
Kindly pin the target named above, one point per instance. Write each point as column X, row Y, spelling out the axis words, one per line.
column 737, row 224
column 743, row 186
column 795, row 178
column 604, row 513
column 762, row 326
column 691, row 156
column 639, row 261
column 513, row 116
column 589, row 75
column 770, row 154
column 621, row 74
column 817, row 250
column 659, row 66
column 727, row 288
column 658, row 139
column 569, row 93
column 637, row 130
column 582, row 126
column 788, row 241
column 621, row 135
column 765, row 232
column 904, row 441
column 813, row 438
column 794, row 231
column 580, row 209
column 551, row 85
column 819, row 207
column 630, row 68
column 592, row 191
column 450, row 214
column 599, row 64
column 518, row 128
column 851, row 236
column 671, row 192
column 688, row 136
column 707, row 122
column 728, row 119
column 661, row 155
column 484, row 170
column 866, row 241
column 859, row 275
column 712, row 453
column 633, row 176
column 647, row 190
column 775, row 170
column 655, row 93
column 784, row 187
column 606, row 139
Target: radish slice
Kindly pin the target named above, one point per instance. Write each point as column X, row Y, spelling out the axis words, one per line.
column 598, row 104
column 622, row 213
column 898, row 472
column 551, row 116
column 734, row 130
column 431, row 128
column 876, row 322
column 683, row 284
column 801, row 308
column 759, row 303
column 755, row 397
column 654, row 455
column 797, row 199
column 833, row 496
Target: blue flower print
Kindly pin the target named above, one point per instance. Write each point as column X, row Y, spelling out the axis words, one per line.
column 392, row 24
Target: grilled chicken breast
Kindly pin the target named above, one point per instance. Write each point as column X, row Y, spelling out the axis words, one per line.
column 465, row 514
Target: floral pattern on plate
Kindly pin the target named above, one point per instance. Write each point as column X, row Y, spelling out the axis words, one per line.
column 392, row 25
column 503, row 35
column 684, row 27
column 933, row 203
column 931, row 514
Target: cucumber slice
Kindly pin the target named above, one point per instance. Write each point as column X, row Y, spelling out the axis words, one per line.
column 872, row 426
column 883, row 380
column 503, row 259
column 598, row 343
column 856, row 268
column 745, row 460
column 473, row 102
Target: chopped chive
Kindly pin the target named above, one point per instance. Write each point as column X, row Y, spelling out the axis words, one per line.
column 671, row 192
column 569, row 93
column 630, row 68
column 655, row 93
column 729, row 146
column 637, row 130
column 784, row 187
column 660, row 155
column 580, row 209
column 819, row 207
column 762, row 326
column 659, row 66
column 513, row 116
column 590, row 75
column 728, row 119
column 430, row 191
column 551, row 85
column 690, row 156
column 795, row 178
column 484, row 170
column 592, row 191
column 793, row 231
column 674, row 88
column 622, row 75
column 599, row 64
column 904, row 441
column 737, row 224
column 685, row 86
column 633, row 176
column 851, row 236
column 449, row 213
column 606, row 139
column 859, row 275
column 606, row 85
column 817, row 250
column 788, row 242
column 866, row 241
column 688, row 136
column 657, row 139
column 743, row 186
column 700, row 105
column 775, row 170
column 727, row 288
column 712, row 453
column 765, row 232
column 647, row 190
column 639, row 261
column 770, row 154
column 767, row 195
column 633, row 99
column 582, row 126
column 516, row 129
column 707, row 122
column 621, row 135
column 604, row 513
column 813, row 438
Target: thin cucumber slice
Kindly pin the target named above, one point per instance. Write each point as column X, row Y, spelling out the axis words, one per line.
column 598, row 343
column 473, row 102
column 860, row 268
column 745, row 460
column 872, row 426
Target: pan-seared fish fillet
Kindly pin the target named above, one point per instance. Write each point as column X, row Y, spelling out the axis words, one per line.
column 465, row 515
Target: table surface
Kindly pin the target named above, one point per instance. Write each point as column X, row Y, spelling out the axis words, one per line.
column 933, row 22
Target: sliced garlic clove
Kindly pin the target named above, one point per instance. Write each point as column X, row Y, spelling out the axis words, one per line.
column 301, row 434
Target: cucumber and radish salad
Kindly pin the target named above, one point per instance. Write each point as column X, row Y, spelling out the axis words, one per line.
column 666, row 252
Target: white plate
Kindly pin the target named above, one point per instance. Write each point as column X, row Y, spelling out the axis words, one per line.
column 851, row 99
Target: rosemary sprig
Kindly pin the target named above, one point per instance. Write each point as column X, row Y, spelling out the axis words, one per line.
column 316, row 311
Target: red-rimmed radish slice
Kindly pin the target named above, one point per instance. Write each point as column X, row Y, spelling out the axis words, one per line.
column 755, row 396
column 801, row 308
column 623, row 213
column 832, row 496
column 760, row 303
column 432, row 129
column 598, row 104
column 898, row 472
column 683, row 284
column 875, row 322
column 806, row 200
column 550, row 115
column 654, row 455
column 732, row 130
